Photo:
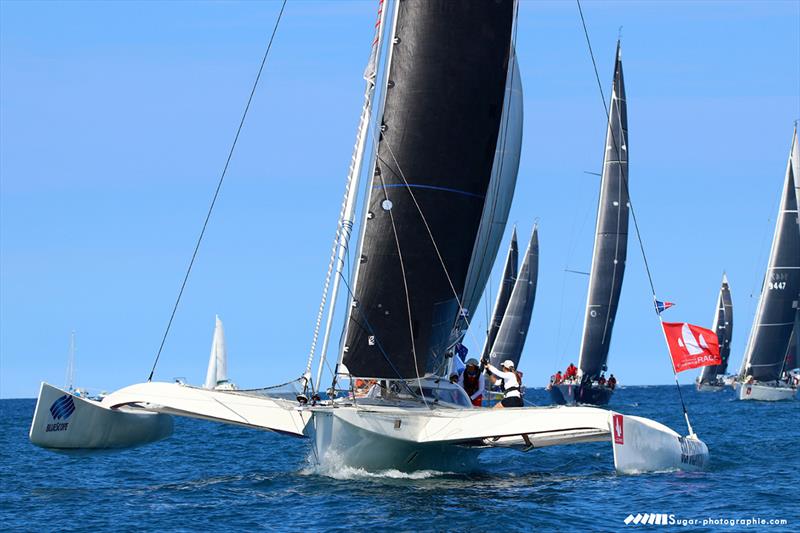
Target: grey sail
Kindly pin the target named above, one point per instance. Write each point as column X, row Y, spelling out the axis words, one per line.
column 516, row 322
column 611, row 237
column 435, row 155
column 503, row 295
column 723, row 325
column 778, row 303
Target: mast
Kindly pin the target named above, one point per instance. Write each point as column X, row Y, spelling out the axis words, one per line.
column 516, row 322
column 347, row 215
column 780, row 293
column 503, row 295
column 611, row 236
column 723, row 325
column 70, row 378
column 439, row 130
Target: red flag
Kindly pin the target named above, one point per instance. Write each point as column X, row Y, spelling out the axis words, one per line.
column 691, row 346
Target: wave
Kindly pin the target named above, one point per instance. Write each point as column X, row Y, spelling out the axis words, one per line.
column 331, row 465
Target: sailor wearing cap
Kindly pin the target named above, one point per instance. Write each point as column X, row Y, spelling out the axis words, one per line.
column 509, row 383
column 473, row 382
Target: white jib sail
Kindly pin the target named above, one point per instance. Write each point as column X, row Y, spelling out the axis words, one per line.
column 218, row 360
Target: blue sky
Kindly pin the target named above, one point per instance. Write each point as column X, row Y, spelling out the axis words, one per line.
column 116, row 118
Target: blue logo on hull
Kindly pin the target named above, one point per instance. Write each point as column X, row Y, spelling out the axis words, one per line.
column 63, row 407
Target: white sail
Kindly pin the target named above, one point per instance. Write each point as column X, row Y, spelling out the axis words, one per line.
column 217, row 373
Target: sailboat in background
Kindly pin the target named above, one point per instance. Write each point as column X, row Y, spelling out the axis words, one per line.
column 762, row 373
column 608, row 259
column 440, row 180
column 217, row 373
column 71, row 419
column 503, row 295
column 515, row 318
column 712, row 378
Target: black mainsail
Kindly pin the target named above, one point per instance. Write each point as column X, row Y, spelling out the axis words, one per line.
column 611, row 237
column 723, row 325
column 503, row 295
column 778, row 303
column 517, row 319
column 439, row 130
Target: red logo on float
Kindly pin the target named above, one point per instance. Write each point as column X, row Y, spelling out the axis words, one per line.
column 619, row 431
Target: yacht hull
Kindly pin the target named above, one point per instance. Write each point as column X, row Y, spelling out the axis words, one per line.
column 340, row 443
column 412, row 439
column 764, row 393
column 573, row 394
column 710, row 387
column 69, row 422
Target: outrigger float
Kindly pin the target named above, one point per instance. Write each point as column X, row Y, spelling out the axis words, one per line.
column 446, row 137
column 375, row 434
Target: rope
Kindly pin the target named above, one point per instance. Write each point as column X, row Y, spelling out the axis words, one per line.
column 216, row 192
column 461, row 313
column 633, row 213
column 366, row 325
column 405, row 288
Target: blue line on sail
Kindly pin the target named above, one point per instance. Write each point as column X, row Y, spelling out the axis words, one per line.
column 431, row 187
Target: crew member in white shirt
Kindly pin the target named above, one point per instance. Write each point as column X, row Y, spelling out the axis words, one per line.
column 509, row 383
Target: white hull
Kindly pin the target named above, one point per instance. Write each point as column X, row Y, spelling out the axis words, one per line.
column 407, row 439
column 336, row 443
column 764, row 393
column 65, row 421
column 381, row 435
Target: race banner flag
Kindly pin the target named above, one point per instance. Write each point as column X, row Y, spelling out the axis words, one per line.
column 662, row 306
column 691, row 346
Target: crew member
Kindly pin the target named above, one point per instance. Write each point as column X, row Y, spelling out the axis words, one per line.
column 473, row 382
column 559, row 377
column 571, row 373
column 509, row 383
column 602, row 379
column 612, row 382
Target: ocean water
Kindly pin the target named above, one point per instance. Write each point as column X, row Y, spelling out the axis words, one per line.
column 213, row 477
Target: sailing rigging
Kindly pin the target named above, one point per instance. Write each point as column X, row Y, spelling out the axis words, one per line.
column 608, row 258
column 503, row 295
column 217, row 372
column 436, row 209
column 515, row 323
column 761, row 374
column 711, row 378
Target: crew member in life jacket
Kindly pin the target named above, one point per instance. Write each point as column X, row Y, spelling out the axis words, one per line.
column 612, row 382
column 509, row 383
column 571, row 373
column 473, row 382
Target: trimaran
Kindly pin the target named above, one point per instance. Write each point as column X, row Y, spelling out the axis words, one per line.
column 440, row 180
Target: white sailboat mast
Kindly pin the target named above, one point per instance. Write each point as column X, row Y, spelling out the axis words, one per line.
column 347, row 219
column 70, row 378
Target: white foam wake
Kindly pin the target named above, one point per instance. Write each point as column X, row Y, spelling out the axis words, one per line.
column 331, row 465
